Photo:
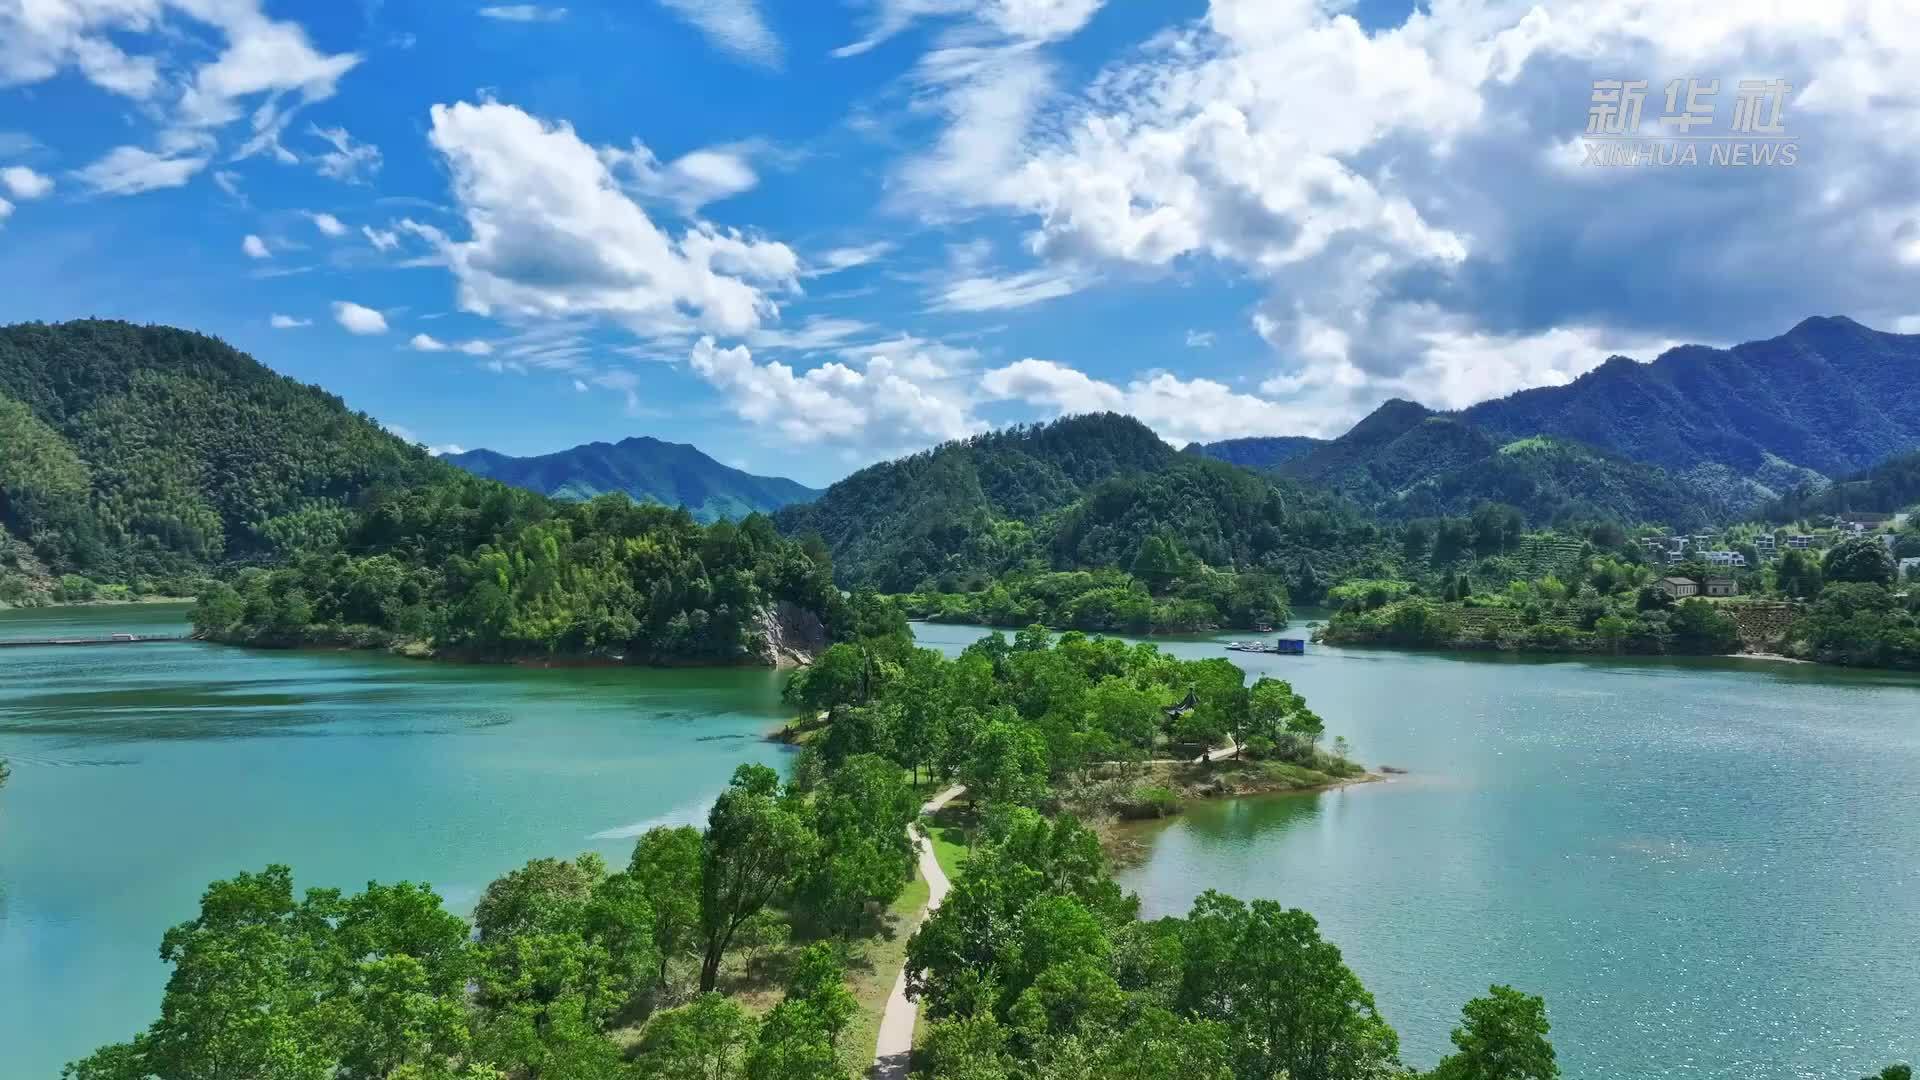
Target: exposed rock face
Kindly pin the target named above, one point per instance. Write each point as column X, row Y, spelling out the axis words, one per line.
column 788, row 635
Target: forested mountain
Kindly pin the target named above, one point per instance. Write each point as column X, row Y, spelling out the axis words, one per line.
column 1084, row 493
column 648, row 470
column 1260, row 452
column 1890, row 486
column 137, row 453
column 1698, row 434
column 1404, row 461
column 1829, row 395
column 965, row 505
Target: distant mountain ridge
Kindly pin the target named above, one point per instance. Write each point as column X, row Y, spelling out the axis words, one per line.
column 1829, row 395
column 646, row 469
column 1258, row 452
column 1698, row 431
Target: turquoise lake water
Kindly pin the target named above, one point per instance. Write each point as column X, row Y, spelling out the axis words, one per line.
column 1711, row 869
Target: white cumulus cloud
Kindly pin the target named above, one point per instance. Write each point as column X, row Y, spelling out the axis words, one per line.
column 879, row 406
column 288, row 322
column 23, row 183
column 355, row 319
column 255, row 247
column 552, row 234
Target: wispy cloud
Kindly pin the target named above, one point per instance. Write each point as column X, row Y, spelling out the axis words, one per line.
column 733, row 25
column 523, row 13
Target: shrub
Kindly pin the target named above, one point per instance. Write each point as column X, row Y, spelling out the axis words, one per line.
column 1152, row 801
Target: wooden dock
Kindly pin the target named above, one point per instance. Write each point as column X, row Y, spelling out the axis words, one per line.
column 114, row 639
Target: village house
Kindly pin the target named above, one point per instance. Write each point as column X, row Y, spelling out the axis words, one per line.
column 1865, row 522
column 1800, row 541
column 1908, row 567
column 1724, row 558
column 1679, row 587
column 1720, row 586
column 1766, row 546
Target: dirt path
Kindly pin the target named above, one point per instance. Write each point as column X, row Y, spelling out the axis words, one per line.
column 893, row 1051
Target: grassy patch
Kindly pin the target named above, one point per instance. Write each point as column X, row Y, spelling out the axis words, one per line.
column 950, row 830
column 872, row 965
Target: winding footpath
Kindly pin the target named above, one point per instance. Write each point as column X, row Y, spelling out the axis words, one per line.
column 893, row 1050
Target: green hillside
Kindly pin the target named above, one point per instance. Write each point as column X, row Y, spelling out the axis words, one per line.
column 970, row 506
column 1258, row 452
column 1092, row 522
column 647, row 470
column 1404, row 461
column 143, row 453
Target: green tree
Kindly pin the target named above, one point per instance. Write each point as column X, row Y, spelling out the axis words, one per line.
column 1007, row 765
column 1294, row 1008
column 967, row 1048
column 666, row 863
column 1862, row 560
column 706, row 1040
column 836, row 679
column 753, row 846
column 327, row 987
column 865, row 856
column 1503, row 1036
column 1700, row 627
column 543, row 896
column 1797, row 575
column 800, row 1038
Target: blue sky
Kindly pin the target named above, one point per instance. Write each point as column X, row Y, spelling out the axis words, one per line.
column 807, row 236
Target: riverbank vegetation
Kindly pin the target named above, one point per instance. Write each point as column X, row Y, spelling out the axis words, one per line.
column 472, row 568
column 1189, row 597
column 1839, row 606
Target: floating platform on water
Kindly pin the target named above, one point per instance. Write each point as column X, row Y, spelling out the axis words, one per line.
column 111, row 639
column 1277, row 647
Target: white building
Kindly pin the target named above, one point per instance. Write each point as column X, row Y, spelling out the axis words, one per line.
column 1724, row 558
column 1800, row 542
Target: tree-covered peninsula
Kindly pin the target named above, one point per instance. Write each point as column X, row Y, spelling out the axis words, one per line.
column 472, row 568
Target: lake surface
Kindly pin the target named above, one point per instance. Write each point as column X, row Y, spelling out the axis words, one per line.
column 143, row 772
column 1711, row 869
